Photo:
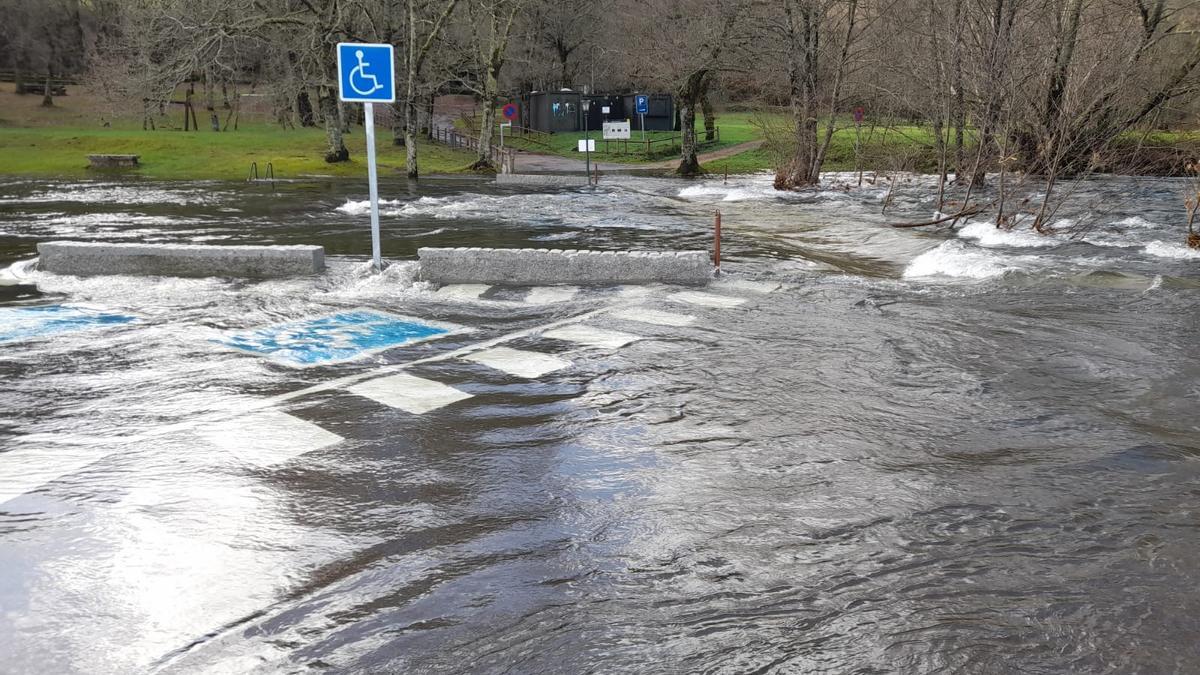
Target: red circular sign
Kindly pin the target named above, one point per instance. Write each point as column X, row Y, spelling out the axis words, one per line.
column 510, row 111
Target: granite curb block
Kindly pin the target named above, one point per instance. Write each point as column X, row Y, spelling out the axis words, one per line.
column 558, row 180
column 179, row 260
column 532, row 267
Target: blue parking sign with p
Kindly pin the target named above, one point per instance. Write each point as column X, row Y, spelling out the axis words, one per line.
column 641, row 104
column 366, row 73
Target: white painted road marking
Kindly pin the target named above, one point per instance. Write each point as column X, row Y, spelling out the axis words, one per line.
column 592, row 337
column 27, row 468
column 633, row 292
column 544, row 295
column 409, row 393
column 519, row 362
column 463, row 291
column 268, row 437
column 707, row 299
column 747, row 285
column 646, row 315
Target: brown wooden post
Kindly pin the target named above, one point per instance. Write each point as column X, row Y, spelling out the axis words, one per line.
column 717, row 241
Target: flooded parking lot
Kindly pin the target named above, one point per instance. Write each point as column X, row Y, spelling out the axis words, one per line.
column 862, row 450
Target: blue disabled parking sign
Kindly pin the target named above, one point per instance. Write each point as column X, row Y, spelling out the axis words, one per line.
column 365, row 73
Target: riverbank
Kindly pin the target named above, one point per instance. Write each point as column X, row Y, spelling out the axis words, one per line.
column 55, row 142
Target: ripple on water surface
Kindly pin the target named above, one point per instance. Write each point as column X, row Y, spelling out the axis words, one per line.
column 965, row 450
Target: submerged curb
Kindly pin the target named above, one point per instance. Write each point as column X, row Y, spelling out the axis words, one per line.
column 536, row 266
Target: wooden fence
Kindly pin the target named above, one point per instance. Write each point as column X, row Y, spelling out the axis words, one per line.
column 651, row 145
column 503, row 158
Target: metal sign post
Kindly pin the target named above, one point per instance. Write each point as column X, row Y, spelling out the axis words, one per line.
column 587, row 146
column 366, row 75
column 641, row 104
column 587, row 135
column 502, row 126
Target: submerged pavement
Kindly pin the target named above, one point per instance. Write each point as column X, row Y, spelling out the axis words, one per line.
column 864, row 449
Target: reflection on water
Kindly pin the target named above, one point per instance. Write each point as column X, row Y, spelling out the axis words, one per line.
column 927, row 451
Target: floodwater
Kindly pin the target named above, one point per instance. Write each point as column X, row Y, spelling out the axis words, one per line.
column 923, row 451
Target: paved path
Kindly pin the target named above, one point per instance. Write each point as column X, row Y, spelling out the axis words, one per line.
column 707, row 157
column 536, row 162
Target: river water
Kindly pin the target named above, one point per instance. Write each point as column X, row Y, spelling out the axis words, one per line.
column 925, row 451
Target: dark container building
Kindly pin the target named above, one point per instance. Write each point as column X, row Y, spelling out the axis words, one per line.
column 595, row 116
column 660, row 115
column 552, row 111
column 558, row 111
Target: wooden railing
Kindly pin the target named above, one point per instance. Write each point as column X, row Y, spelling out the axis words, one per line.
column 651, row 145
column 504, row 159
column 530, row 136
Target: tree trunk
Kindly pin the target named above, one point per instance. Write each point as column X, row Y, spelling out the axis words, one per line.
column 335, row 149
column 688, row 97
column 424, row 116
column 210, row 104
column 798, row 172
column 410, row 125
column 487, row 120
column 19, row 75
column 803, row 31
column 710, row 116
column 399, row 121
column 304, row 109
column 47, row 100
column 429, row 129
column 689, row 164
column 1067, row 35
column 958, row 113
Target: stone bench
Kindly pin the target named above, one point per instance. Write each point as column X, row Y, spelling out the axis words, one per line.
column 39, row 88
column 533, row 267
column 113, row 161
column 179, row 260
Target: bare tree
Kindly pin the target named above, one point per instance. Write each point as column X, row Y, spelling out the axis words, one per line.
column 809, row 86
column 685, row 59
column 491, row 26
column 420, row 41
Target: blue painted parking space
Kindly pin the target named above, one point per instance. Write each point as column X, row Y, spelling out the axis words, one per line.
column 29, row 323
column 335, row 338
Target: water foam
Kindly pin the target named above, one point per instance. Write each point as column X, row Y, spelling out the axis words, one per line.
column 728, row 193
column 987, row 234
column 1163, row 249
column 955, row 259
column 115, row 194
column 358, row 208
column 568, row 208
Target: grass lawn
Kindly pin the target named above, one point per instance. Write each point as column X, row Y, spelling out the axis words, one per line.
column 36, row 141
column 881, row 148
column 62, row 151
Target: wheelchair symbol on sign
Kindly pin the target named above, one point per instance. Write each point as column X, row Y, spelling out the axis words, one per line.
column 359, row 72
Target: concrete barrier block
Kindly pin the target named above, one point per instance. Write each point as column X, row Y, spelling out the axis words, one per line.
column 179, row 260
column 542, row 180
column 531, row 267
